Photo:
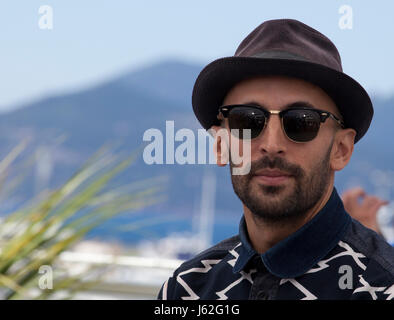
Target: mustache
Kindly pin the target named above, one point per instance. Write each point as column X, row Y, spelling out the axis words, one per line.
column 276, row 163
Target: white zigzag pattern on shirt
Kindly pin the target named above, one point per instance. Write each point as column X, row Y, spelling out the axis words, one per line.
column 244, row 275
column 390, row 292
column 308, row 295
column 207, row 266
column 165, row 287
column 368, row 288
column 322, row 264
column 235, row 255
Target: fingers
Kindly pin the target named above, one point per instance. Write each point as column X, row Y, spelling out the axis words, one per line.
column 358, row 192
column 372, row 204
column 354, row 194
column 360, row 205
column 363, row 207
column 370, row 201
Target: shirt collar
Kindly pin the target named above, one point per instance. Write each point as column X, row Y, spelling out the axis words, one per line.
column 300, row 251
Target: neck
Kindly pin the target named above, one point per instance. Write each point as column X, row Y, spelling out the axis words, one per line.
column 264, row 235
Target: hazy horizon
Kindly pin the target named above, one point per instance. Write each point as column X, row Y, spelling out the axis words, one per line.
column 92, row 41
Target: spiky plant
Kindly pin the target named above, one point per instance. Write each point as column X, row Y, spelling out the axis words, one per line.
column 36, row 234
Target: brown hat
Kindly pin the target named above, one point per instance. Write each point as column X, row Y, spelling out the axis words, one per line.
column 290, row 48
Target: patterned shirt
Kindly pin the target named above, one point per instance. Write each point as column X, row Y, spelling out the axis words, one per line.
column 330, row 257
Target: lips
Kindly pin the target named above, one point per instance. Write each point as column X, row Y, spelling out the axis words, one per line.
column 272, row 177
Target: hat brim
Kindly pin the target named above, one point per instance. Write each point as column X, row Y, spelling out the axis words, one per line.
column 218, row 77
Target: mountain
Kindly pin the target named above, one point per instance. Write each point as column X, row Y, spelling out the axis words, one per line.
column 372, row 163
column 170, row 80
column 121, row 109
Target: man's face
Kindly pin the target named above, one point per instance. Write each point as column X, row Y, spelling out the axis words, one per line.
column 286, row 178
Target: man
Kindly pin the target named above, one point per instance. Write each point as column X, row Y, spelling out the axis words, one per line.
column 286, row 88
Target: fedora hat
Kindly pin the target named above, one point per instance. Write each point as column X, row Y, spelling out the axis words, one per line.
column 290, row 48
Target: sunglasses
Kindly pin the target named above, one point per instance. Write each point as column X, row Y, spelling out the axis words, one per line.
column 300, row 124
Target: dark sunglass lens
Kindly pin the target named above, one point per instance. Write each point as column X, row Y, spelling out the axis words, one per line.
column 246, row 118
column 301, row 125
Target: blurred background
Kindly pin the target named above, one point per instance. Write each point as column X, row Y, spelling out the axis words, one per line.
column 78, row 77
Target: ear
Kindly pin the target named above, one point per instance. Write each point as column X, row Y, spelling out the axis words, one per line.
column 220, row 145
column 342, row 148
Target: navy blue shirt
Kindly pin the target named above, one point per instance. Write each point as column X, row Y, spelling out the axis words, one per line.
column 330, row 257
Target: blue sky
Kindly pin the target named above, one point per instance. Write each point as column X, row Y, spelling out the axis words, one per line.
column 93, row 40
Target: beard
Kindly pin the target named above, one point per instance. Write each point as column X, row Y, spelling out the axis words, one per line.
column 282, row 204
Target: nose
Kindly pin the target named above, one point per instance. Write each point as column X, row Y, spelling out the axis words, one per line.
column 272, row 140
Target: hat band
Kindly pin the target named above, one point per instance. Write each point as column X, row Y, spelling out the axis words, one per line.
column 276, row 54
